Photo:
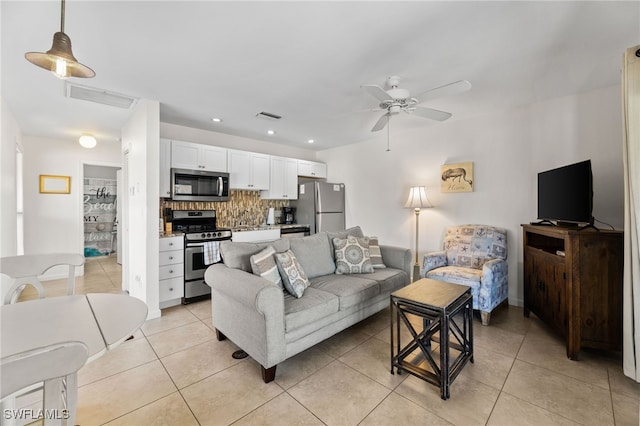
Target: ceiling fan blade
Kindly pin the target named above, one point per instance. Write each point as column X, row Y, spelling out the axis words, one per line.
column 382, row 121
column 430, row 113
column 377, row 92
column 446, row 90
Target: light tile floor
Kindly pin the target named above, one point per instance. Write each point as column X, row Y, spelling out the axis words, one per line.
column 175, row 372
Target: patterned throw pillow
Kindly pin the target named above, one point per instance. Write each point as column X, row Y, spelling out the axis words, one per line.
column 375, row 253
column 352, row 255
column 293, row 277
column 264, row 265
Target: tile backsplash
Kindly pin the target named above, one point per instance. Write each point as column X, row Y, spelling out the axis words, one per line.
column 243, row 208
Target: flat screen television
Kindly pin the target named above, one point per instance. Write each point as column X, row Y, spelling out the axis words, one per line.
column 565, row 194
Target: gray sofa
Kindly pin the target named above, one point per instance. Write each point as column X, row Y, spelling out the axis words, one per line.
column 270, row 324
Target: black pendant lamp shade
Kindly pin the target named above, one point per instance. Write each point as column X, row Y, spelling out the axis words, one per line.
column 59, row 59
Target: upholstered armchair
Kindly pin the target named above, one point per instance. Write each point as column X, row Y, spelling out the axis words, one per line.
column 475, row 256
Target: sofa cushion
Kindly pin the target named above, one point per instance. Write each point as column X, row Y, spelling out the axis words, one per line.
column 375, row 254
column 350, row 289
column 293, row 276
column 352, row 255
column 314, row 254
column 389, row 279
column 315, row 305
column 263, row 264
column 238, row 255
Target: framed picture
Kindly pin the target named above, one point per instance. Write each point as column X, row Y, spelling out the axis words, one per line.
column 50, row 184
column 457, row 177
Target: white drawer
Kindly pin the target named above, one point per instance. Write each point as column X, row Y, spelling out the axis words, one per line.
column 171, row 257
column 171, row 289
column 171, row 243
column 171, row 271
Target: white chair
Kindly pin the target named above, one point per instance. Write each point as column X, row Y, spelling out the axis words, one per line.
column 25, row 269
column 56, row 366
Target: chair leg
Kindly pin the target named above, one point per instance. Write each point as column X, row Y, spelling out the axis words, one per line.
column 485, row 316
column 268, row 374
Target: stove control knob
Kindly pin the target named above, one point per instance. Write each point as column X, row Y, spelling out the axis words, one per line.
column 219, row 234
column 203, row 235
column 208, row 234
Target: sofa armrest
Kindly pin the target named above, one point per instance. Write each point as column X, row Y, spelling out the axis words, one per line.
column 249, row 310
column 433, row 260
column 397, row 257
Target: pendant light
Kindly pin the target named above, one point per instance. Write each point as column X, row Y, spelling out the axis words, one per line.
column 59, row 59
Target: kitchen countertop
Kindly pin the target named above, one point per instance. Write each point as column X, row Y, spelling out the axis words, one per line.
column 171, row 234
column 266, row 227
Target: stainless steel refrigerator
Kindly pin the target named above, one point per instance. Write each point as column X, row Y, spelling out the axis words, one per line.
column 321, row 205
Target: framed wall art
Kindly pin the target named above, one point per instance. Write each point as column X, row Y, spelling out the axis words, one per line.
column 51, row 184
column 457, row 177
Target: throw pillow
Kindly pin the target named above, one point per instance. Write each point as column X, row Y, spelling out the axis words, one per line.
column 375, row 253
column 352, row 255
column 293, row 277
column 354, row 231
column 264, row 265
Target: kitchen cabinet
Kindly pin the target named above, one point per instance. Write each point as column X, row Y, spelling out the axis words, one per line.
column 283, row 184
column 171, row 273
column 312, row 169
column 194, row 156
column 573, row 283
column 165, row 168
column 248, row 170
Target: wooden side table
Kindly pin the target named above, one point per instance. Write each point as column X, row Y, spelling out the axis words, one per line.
column 446, row 309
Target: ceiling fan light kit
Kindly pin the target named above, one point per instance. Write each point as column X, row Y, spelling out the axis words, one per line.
column 59, row 59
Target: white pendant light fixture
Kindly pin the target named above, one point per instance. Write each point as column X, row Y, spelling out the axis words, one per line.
column 87, row 141
column 59, row 59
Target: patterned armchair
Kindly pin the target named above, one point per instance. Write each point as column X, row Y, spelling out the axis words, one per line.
column 475, row 256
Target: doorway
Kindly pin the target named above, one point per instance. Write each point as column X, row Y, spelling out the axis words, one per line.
column 100, row 210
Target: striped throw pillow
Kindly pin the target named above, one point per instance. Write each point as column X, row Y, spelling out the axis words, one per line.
column 264, row 265
column 375, row 254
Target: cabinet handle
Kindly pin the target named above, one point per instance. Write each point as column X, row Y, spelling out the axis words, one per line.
column 170, row 288
column 170, row 244
column 170, row 257
column 171, row 271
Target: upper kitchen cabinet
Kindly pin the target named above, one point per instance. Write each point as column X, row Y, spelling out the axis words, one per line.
column 312, row 169
column 248, row 170
column 194, row 156
column 284, row 179
column 165, row 168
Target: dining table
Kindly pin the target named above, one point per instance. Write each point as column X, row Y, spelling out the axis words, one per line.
column 99, row 320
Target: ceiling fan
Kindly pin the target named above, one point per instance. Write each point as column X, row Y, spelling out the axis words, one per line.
column 395, row 100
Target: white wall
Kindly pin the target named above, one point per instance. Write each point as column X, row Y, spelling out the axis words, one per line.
column 507, row 149
column 53, row 222
column 11, row 136
column 188, row 134
column 141, row 138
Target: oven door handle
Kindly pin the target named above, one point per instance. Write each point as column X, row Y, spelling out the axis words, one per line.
column 191, row 245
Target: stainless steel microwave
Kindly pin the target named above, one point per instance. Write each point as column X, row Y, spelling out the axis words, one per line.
column 199, row 185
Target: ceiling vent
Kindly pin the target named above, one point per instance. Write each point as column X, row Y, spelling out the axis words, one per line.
column 99, row 96
column 268, row 116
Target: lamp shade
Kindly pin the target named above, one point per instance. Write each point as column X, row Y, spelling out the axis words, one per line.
column 418, row 198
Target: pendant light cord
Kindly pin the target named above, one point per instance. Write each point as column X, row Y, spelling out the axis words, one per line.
column 62, row 17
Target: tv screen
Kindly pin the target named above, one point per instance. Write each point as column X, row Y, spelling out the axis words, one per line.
column 565, row 194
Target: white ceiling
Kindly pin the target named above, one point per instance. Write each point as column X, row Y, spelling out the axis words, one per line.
column 305, row 61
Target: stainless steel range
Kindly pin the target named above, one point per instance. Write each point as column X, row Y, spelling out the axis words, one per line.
column 201, row 249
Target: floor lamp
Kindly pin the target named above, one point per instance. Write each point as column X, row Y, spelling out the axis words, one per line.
column 417, row 200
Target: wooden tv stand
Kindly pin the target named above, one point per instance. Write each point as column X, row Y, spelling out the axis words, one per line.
column 573, row 282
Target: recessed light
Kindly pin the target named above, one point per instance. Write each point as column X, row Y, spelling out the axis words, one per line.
column 216, row 120
column 310, row 141
column 271, row 132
